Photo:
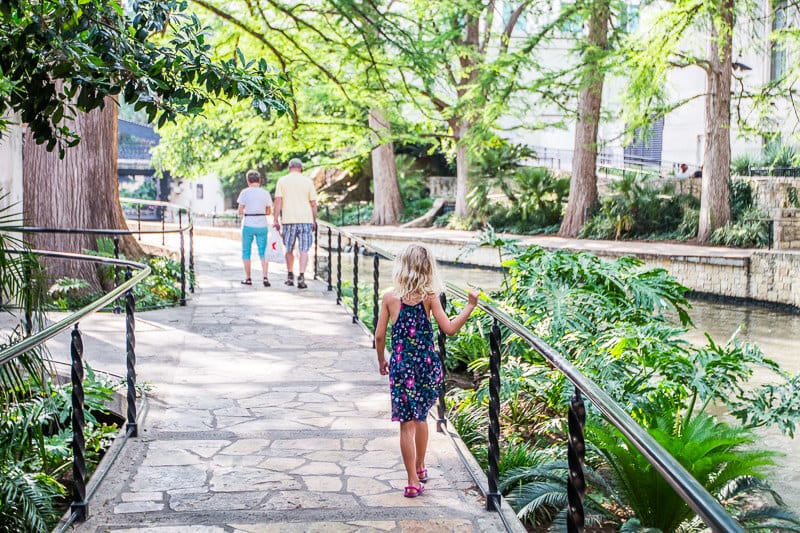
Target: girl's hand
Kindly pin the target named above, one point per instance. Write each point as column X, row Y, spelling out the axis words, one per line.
column 383, row 367
column 472, row 297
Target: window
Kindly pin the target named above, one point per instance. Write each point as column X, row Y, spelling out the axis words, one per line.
column 573, row 23
column 645, row 150
column 508, row 9
column 777, row 63
column 199, row 191
column 631, row 16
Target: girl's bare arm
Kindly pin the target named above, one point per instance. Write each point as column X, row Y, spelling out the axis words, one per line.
column 380, row 336
column 446, row 324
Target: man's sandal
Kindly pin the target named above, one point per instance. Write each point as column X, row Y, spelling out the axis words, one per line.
column 247, row 281
column 411, row 491
column 267, row 283
column 423, row 475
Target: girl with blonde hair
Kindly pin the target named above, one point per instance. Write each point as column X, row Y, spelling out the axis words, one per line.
column 414, row 368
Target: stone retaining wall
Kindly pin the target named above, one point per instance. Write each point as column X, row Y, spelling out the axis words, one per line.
column 768, row 276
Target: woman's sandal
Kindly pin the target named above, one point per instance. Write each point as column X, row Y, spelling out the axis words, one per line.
column 423, row 475
column 267, row 283
column 247, row 281
column 411, row 491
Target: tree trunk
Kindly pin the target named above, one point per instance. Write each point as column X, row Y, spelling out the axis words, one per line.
column 388, row 204
column 462, row 168
column 715, row 208
column 79, row 191
column 583, row 183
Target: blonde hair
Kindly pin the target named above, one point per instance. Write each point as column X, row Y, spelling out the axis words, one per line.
column 415, row 272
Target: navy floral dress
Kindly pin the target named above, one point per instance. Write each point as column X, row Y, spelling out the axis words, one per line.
column 415, row 370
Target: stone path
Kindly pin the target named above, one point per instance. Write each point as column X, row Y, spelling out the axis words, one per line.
column 267, row 413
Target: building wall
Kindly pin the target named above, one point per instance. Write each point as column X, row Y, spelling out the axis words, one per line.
column 11, row 167
column 203, row 196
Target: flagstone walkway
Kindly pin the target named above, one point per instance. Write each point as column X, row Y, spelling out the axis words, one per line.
column 267, row 413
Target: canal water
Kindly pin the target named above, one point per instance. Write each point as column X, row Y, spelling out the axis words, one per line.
column 777, row 332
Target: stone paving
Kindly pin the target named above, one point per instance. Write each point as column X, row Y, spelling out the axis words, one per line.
column 266, row 413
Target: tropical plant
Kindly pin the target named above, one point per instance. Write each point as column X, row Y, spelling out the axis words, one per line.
column 749, row 230
column 741, row 164
column 718, row 455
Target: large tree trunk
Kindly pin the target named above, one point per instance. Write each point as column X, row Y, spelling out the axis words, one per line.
column 79, row 191
column 388, row 204
column 715, row 208
column 583, row 183
column 462, row 168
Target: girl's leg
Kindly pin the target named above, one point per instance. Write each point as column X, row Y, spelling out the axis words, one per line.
column 420, row 443
column 408, row 449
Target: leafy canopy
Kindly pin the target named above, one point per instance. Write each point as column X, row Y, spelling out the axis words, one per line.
column 61, row 58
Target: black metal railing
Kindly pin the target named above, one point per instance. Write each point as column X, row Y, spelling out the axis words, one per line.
column 164, row 208
column 689, row 489
column 80, row 497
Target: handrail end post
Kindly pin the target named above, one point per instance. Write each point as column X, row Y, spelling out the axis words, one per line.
column 80, row 510
column 493, row 501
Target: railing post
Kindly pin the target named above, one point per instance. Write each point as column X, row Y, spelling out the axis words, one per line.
column 139, row 219
column 130, row 359
column 28, row 299
column 191, row 256
column 183, row 259
column 355, row 282
column 375, row 288
column 330, row 260
column 117, row 307
column 163, row 224
column 441, row 423
column 316, row 250
column 338, row 268
column 576, row 449
column 79, row 504
column 493, row 496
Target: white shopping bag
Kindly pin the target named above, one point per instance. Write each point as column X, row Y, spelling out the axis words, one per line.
column 274, row 252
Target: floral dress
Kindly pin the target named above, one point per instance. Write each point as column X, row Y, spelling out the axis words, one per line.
column 415, row 370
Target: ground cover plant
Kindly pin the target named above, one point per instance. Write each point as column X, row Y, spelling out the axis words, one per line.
column 35, row 406
column 622, row 326
column 162, row 288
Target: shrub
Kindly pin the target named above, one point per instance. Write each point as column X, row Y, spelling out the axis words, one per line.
column 751, row 230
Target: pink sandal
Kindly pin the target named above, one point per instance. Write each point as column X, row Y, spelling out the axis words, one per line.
column 423, row 475
column 411, row 491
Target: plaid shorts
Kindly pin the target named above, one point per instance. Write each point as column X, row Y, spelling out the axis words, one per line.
column 303, row 233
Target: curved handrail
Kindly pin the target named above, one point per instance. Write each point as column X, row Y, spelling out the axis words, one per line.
column 692, row 492
column 687, row 487
column 51, row 331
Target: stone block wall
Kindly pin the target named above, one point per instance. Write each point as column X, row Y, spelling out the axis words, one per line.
column 771, row 192
column 786, row 230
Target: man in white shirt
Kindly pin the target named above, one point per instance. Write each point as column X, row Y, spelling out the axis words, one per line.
column 255, row 204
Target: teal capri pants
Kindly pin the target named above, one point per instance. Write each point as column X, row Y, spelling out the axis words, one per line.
column 248, row 234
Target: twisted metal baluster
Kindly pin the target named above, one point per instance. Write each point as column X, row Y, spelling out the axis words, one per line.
column 79, row 506
column 164, row 225
column 376, row 288
column 493, row 496
column 339, row 269
column 316, row 250
column 576, row 449
column 330, row 261
column 441, row 423
column 130, row 359
column 117, row 307
column 191, row 256
column 355, row 283
column 183, row 259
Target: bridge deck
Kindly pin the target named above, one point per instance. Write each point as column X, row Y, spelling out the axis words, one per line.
column 267, row 413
